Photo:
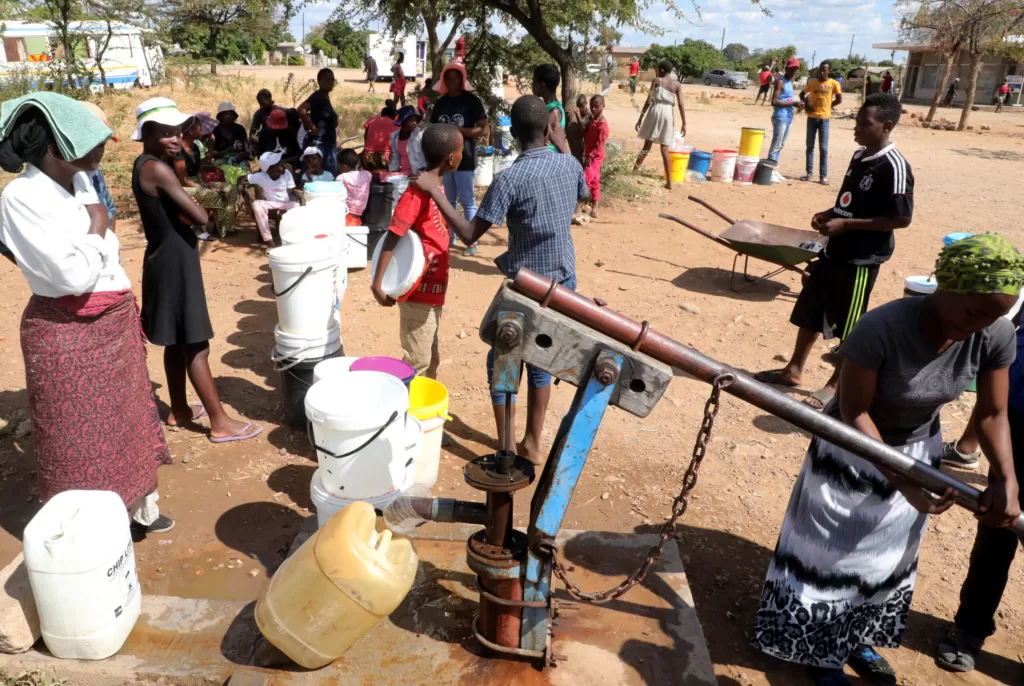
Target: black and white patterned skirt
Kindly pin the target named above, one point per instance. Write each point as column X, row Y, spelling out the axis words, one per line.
column 844, row 568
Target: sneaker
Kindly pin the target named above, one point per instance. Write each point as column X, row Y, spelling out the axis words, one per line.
column 955, row 458
column 161, row 525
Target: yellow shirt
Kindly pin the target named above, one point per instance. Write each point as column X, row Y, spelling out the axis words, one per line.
column 819, row 97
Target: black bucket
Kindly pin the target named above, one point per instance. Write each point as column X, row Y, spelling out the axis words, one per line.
column 763, row 173
column 296, row 378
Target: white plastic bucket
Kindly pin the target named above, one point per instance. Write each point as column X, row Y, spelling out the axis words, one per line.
column 484, row 170
column 325, row 191
column 406, row 267
column 81, row 566
column 304, row 285
column 332, row 367
column 358, row 239
column 503, row 162
column 723, row 165
column 745, row 168
column 919, row 285
column 429, row 461
column 327, row 504
column 291, row 349
column 336, row 236
column 360, row 427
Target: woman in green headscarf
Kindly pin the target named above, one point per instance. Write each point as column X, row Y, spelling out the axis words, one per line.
column 843, row 573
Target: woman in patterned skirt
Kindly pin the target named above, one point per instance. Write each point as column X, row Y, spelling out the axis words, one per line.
column 842, row 577
column 94, row 419
column 220, row 198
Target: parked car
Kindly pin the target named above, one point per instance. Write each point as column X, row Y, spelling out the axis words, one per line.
column 593, row 68
column 722, row 77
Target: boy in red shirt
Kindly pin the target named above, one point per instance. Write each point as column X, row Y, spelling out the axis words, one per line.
column 420, row 309
column 594, row 139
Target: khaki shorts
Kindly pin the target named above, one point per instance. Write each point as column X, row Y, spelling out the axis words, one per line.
column 418, row 324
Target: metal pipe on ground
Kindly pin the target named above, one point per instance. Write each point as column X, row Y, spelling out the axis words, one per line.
column 671, row 352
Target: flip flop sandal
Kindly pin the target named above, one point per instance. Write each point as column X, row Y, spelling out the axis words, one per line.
column 248, row 431
column 470, row 251
column 819, row 399
column 774, row 377
column 871, row 666
column 200, row 415
column 824, row 182
column 805, row 177
column 958, row 651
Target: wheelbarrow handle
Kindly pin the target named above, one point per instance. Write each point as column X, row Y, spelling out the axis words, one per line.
column 707, row 205
column 702, row 232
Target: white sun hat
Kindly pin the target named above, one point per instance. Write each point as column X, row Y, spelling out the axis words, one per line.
column 225, row 106
column 310, row 152
column 268, row 160
column 159, row 110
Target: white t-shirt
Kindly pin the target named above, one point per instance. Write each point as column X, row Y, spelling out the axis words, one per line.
column 47, row 231
column 276, row 191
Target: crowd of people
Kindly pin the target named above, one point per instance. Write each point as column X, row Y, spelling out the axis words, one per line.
column 842, row 576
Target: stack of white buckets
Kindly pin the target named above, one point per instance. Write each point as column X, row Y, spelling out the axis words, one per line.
column 367, row 443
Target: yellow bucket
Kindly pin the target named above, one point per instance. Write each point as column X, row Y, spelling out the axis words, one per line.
column 678, row 161
column 428, row 399
column 428, row 402
column 750, row 142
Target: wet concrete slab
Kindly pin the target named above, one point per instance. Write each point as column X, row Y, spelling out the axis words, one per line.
column 649, row 636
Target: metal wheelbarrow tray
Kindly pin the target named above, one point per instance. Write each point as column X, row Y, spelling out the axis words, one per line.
column 779, row 245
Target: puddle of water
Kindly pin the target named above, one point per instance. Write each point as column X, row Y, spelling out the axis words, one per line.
column 217, row 574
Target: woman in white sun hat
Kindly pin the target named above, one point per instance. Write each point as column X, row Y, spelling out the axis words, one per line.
column 174, row 312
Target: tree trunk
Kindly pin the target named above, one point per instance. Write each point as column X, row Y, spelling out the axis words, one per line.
column 212, row 47
column 972, row 87
column 433, row 55
column 100, row 53
column 940, row 89
column 565, row 67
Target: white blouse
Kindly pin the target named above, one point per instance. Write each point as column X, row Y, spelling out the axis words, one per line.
column 47, row 230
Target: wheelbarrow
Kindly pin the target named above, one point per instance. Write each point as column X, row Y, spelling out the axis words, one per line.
column 778, row 245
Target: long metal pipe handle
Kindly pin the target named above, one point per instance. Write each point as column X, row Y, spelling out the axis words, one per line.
column 644, row 339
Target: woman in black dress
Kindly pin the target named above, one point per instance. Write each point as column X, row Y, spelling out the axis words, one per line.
column 174, row 312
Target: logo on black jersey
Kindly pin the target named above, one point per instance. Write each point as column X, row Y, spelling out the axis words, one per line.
column 845, row 199
column 865, row 183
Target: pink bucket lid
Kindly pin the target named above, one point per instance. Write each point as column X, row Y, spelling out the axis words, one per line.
column 388, row 365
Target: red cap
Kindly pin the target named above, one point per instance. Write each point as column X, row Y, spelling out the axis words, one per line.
column 277, row 120
column 792, row 62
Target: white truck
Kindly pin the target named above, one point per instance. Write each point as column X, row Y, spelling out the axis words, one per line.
column 383, row 49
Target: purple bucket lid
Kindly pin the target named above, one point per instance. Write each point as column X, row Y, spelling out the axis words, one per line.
column 388, row 365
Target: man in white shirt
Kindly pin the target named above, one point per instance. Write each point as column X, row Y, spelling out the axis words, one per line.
column 278, row 187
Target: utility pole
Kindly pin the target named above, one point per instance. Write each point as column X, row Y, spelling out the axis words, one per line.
column 850, row 54
column 303, row 45
column 723, row 39
column 811, row 65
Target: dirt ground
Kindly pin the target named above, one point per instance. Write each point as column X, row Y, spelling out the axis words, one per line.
column 238, row 505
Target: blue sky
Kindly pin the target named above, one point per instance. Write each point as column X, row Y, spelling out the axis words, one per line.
column 813, row 26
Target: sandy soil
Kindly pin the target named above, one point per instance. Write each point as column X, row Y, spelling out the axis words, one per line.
column 245, row 501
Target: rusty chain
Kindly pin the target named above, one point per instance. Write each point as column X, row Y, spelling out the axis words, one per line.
column 668, row 529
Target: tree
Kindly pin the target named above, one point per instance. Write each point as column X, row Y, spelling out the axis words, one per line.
column 691, row 59
column 348, row 43
column 108, row 13
column 608, row 35
column 736, row 52
column 218, row 19
column 962, row 27
column 62, row 14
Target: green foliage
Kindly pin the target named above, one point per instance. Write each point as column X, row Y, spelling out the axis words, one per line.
column 691, row 59
column 318, row 43
column 886, row 63
column 736, row 52
column 841, row 66
column 349, row 44
column 295, row 61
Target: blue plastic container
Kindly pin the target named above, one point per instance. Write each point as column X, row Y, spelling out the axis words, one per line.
column 951, row 238
column 699, row 162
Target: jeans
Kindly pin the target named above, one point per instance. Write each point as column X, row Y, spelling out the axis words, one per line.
column 991, row 557
column 780, row 132
column 458, row 186
column 330, row 155
column 535, row 378
column 820, row 127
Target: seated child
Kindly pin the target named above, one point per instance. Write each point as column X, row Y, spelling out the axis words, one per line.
column 278, row 192
column 357, row 184
column 377, row 140
column 314, row 163
column 420, row 309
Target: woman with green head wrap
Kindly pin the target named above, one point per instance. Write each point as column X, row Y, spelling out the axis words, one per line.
column 841, row 580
